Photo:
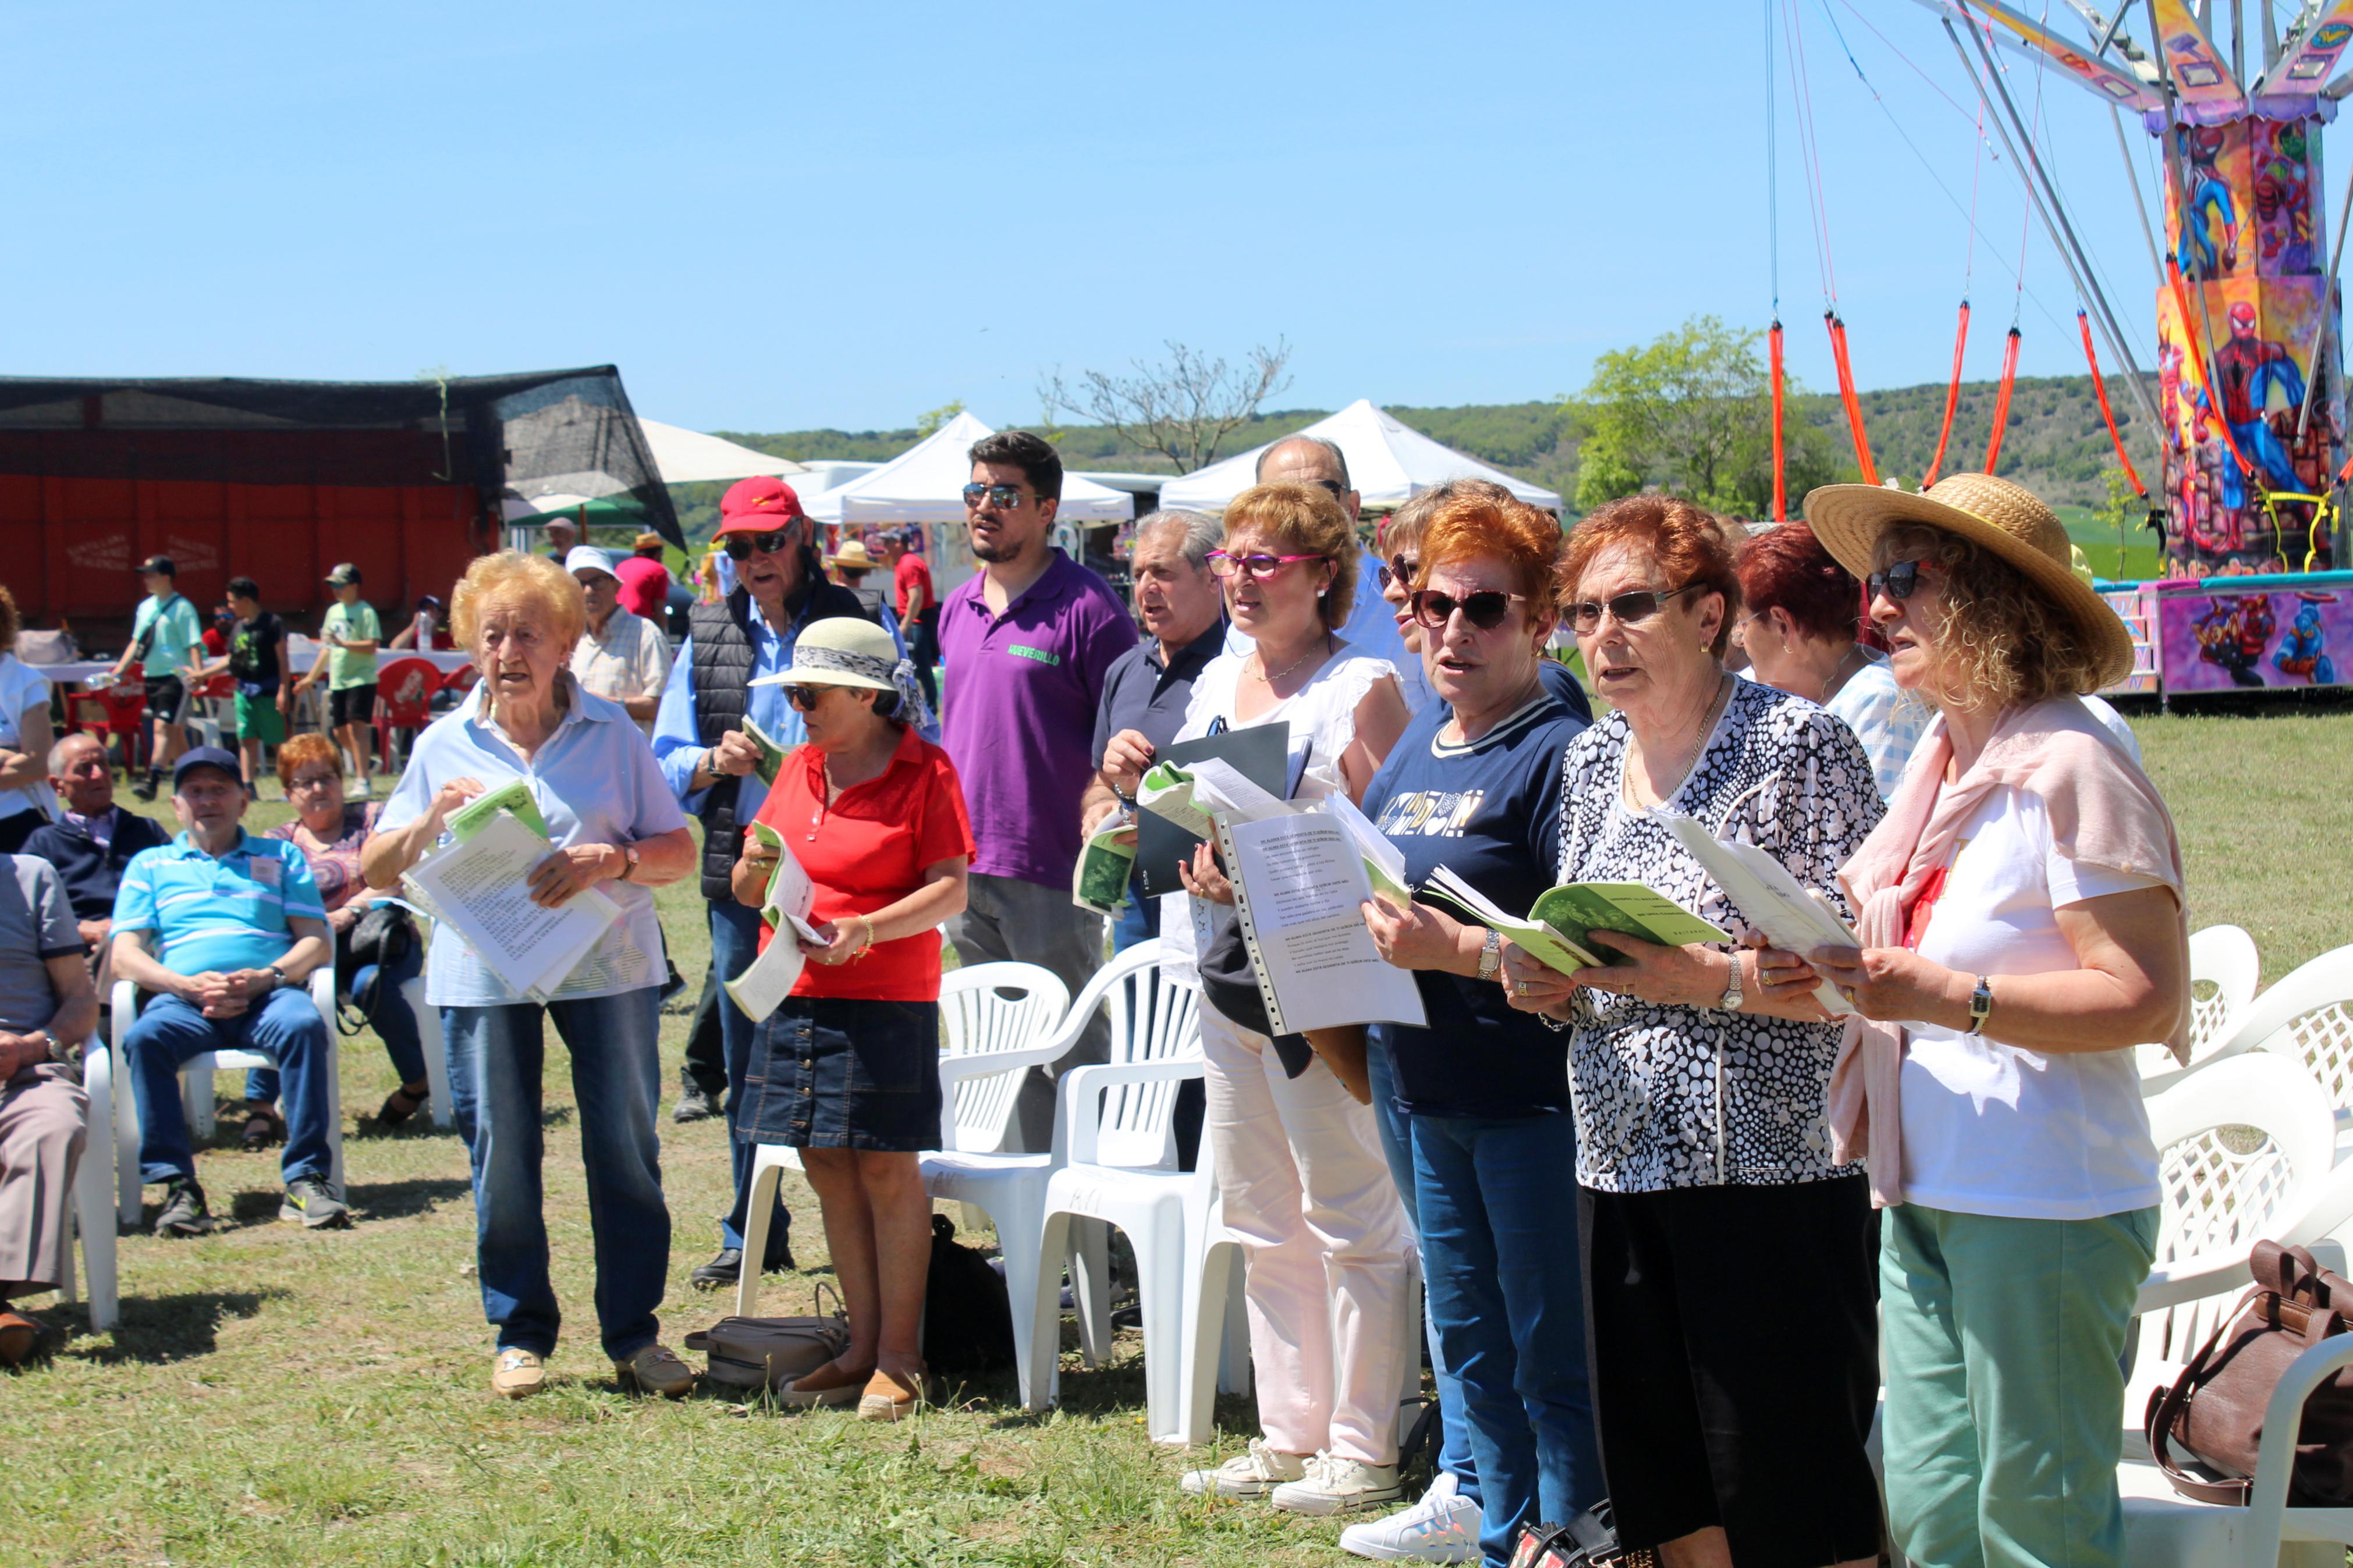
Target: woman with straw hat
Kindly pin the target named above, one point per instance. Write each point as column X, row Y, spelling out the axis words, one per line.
column 847, row 1069
column 2022, row 930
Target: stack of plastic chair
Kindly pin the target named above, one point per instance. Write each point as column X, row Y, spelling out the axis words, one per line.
column 93, row 1192
column 2224, row 973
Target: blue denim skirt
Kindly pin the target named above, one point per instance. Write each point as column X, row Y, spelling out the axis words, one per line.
column 836, row 1072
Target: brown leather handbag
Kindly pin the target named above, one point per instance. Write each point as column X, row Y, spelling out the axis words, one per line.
column 2214, row 1411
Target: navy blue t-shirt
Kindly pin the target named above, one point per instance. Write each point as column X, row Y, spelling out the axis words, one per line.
column 1491, row 813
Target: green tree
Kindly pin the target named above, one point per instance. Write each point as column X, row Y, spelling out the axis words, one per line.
column 1691, row 413
column 929, row 423
column 2117, row 511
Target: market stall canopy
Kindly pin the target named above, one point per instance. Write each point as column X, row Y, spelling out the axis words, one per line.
column 689, row 457
column 1389, row 462
column 925, row 484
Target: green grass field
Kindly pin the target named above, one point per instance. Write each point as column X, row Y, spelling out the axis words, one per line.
column 273, row 1396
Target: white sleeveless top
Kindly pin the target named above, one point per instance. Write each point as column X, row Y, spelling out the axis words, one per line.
column 1322, row 714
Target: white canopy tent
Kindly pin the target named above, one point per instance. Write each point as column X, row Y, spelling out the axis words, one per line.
column 1389, row 462
column 689, row 457
column 925, row 485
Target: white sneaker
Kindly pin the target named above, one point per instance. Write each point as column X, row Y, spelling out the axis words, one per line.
column 1252, row 1474
column 1335, row 1485
column 1443, row 1527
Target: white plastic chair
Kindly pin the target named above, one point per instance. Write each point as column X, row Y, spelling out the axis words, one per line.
column 2224, row 971
column 196, row 1088
column 2308, row 1018
column 985, row 1179
column 2246, row 1153
column 1116, row 1122
column 93, row 1208
column 437, row 1054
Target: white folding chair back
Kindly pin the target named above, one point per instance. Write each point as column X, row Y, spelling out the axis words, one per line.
column 987, row 1009
column 1153, row 1019
column 94, row 1196
column 2308, row 1018
column 196, row 1087
column 2224, row 971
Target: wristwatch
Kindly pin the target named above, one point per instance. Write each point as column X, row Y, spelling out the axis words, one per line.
column 1981, row 1005
column 279, row 977
column 1731, row 1001
column 629, row 860
column 1491, row 955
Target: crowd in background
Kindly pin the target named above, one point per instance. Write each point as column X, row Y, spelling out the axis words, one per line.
column 1949, row 1178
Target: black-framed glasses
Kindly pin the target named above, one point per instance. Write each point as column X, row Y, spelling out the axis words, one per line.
column 1898, row 582
column 1398, row 568
column 805, row 697
column 1630, row 609
column 739, row 546
column 1254, row 567
column 1485, row 609
column 1005, row 497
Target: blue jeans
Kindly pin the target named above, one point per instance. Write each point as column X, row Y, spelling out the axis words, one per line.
column 1138, row 920
column 391, row 1019
column 496, row 1058
column 286, row 1027
column 1396, row 1147
column 1507, row 1303
column 734, row 943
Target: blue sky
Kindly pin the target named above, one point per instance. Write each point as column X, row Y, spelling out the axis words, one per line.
column 782, row 216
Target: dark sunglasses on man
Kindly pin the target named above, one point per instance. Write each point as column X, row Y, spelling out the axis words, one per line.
column 1630, row 609
column 1485, row 609
column 1004, row 497
column 739, row 546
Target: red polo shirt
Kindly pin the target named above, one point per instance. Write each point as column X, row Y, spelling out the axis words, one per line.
column 868, row 851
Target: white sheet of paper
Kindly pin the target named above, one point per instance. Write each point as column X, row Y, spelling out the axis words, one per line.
column 1768, row 897
column 1304, row 879
column 1219, row 789
column 479, row 888
column 762, row 988
column 1384, row 861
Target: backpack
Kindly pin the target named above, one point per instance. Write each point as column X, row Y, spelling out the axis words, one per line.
column 967, row 1316
column 753, row 1353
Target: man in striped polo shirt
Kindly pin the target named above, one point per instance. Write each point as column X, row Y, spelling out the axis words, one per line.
column 224, row 930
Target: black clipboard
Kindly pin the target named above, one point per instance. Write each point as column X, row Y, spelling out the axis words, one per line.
column 1261, row 754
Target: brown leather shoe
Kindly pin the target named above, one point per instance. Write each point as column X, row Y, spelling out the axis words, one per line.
column 517, row 1373
column 18, row 1334
column 656, row 1370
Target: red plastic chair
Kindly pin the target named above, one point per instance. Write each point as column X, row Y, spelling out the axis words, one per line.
column 115, row 711
column 404, row 701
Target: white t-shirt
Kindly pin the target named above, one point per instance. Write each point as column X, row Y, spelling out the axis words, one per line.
column 21, row 691
column 1995, row 1130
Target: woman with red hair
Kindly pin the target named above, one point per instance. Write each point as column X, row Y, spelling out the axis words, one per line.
column 1729, row 1435
column 1799, row 634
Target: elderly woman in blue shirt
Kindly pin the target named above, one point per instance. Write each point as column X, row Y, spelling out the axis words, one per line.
column 615, row 826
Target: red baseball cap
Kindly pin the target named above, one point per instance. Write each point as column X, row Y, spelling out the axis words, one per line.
column 757, row 505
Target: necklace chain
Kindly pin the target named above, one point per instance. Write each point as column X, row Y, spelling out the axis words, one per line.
column 1295, row 664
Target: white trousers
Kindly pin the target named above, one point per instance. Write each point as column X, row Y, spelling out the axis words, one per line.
column 1326, row 1243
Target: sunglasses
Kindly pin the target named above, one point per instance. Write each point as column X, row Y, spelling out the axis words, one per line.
column 1898, row 582
column 1397, row 569
column 739, row 546
column 1254, row 566
column 805, row 697
column 1485, row 609
column 1337, row 490
column 1630, row 609
column 1005, row 497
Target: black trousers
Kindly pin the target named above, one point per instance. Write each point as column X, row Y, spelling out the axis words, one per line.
column 706, row 1067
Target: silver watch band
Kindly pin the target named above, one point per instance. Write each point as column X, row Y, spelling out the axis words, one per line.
column 1732, row 992
column 1491, row 955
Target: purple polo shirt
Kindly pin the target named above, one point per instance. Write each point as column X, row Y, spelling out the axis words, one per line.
column 1021, row 698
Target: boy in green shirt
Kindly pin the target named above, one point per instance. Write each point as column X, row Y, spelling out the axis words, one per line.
column 348, row 639
column 165, row 639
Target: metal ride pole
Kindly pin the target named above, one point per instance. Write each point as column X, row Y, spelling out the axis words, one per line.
column 2327, row 296
column 2095, row 303
column 2132, row 178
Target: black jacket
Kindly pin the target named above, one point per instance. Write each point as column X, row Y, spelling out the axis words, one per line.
column 92, row 874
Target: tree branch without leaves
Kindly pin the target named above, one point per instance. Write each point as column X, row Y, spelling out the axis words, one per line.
column 1181, row 409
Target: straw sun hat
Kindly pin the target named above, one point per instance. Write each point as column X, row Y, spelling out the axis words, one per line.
column 839, row 650
column 1995, row 514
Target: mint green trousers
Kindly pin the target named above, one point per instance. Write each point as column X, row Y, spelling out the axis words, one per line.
column 2005, row 1396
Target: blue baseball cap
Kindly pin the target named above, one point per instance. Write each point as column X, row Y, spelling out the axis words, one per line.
column 204, row 757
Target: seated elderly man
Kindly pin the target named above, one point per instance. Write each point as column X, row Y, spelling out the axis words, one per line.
column 225, row 929
column 47, row 1008
column 92, row 840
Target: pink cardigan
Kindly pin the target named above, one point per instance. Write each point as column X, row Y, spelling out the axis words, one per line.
column 2104, row 812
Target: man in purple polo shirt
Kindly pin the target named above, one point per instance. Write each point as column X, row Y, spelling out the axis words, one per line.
column 1026, row 645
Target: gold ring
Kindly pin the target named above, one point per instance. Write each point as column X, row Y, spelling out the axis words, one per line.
column 1523, row 986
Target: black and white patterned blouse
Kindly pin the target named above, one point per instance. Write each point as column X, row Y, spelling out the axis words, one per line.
column 1688, row 1096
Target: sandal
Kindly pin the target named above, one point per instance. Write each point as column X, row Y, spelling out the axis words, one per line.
column 889, row 1396
column 401, row 1104
column 830, row 1385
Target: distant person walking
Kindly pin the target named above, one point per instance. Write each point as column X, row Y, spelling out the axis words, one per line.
column 1028, row 643
column 622, row 657
column 645, row 581
column 917, row 605
column 348, row 639
column 256, row 661
column 164, row 638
